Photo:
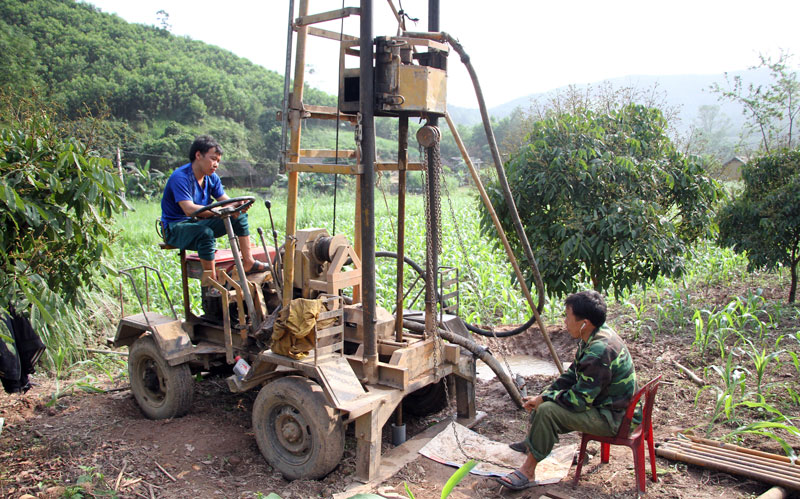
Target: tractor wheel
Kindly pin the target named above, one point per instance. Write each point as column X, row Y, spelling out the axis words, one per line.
column 298, row 431
column 427, row 400
column 162, row 391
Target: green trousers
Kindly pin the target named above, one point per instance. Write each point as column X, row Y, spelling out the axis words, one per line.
column 201, row 235
column 551, row 420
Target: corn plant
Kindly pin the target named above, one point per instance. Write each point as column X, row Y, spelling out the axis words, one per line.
column 454, row 480
column 761, row 360
column 769, row 428
column 727, row 398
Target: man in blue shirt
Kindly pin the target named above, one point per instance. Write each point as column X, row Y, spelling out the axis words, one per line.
column 188, row 189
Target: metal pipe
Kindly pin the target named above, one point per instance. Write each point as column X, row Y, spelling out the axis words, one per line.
column 433, row 15
column 272, row 270
column 277, row 262
column 295, row 119
column 367, row 181
column 432, row 227
column 237, row 260
column 285, row 114
column 402, row 164
column 509, row 252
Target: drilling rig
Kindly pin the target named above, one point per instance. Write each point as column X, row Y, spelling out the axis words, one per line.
column 355, row 363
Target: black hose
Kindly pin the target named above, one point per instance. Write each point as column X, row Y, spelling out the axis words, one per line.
column 501, row 174
column 480, row 352
column 471, row 327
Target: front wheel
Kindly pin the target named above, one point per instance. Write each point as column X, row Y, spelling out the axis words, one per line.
column 297, row 430
column 162, row 391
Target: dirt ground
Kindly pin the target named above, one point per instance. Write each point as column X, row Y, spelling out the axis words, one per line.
column 103, row 441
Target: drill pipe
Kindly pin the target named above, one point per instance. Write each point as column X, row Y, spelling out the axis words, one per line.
column 480, row 351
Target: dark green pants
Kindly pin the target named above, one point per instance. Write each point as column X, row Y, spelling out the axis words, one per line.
column 551, row 420
column 201, row 235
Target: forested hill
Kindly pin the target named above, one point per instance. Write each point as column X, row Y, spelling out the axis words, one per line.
column 159, row 89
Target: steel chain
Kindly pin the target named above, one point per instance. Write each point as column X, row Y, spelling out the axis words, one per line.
column 438, row 344
column 470, row 271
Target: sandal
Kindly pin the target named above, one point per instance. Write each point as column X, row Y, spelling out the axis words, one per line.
column 518, row 481
column 258, row 267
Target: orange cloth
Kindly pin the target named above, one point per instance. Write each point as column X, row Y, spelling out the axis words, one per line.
column 294, row 332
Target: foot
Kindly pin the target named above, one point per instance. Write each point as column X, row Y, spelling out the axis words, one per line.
column 519, row 446
column 516, row 480
column 256, row 267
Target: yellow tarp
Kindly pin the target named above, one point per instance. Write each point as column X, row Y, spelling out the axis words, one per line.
column 293, row 335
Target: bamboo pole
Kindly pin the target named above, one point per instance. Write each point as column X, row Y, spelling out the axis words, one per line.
column 773, row 493
column 744, row 450
column 706, row 462
column 509, row 252
column 736, row 458
column 758, row 456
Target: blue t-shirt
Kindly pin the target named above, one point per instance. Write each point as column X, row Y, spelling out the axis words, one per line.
column 182, row 186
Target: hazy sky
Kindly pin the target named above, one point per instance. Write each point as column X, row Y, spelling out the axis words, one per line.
column 518, row 47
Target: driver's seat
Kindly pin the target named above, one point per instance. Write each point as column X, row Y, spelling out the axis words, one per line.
column 160, row 231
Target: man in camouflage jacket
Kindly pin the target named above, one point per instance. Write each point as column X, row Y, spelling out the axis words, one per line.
column 591, row 396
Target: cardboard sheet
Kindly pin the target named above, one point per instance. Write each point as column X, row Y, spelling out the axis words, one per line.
column 457, row 444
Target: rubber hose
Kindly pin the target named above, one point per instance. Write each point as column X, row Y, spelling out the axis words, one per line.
column 472, row 328
column 480, row 352
column 501, row 174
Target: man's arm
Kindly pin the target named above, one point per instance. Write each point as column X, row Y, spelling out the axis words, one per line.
column 190, row 207
column 592, row 376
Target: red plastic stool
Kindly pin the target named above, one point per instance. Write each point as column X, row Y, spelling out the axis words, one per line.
column 634, row 440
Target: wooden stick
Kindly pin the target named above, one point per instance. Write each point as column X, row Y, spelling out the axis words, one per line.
column 119, row 477
column 165, row 472
column 773, row 493
column 107, row 352
column 128, row 483
column 689, row 374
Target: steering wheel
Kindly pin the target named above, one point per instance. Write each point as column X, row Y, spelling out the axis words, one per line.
column 217, row 213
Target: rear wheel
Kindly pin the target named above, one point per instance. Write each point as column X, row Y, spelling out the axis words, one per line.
column 162, row 391
column 297, row 430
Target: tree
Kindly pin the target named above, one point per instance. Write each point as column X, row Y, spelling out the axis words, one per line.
column 764, row 220
column 606, row 196
column 710, row 134
column 56, row 204
column 770, row 110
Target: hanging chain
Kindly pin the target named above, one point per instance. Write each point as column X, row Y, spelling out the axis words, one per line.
column 470, row 271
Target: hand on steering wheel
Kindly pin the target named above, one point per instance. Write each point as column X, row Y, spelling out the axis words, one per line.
column 219, row 209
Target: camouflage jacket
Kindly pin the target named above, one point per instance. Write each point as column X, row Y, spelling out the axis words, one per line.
column 601, row 376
